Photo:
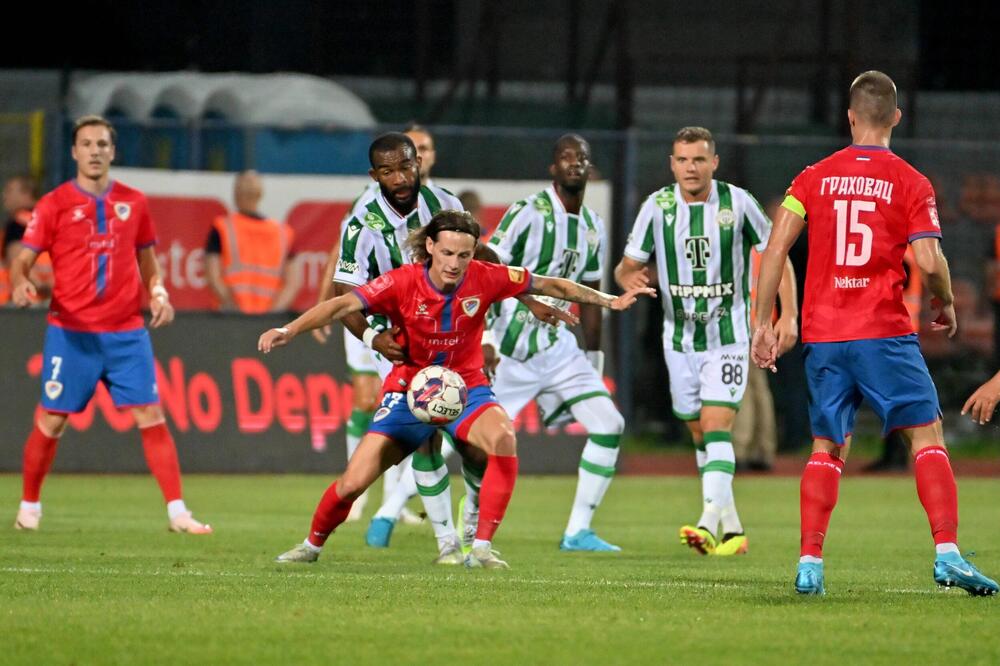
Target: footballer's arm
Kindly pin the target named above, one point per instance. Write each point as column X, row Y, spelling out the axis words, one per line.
column 24, row 290
column 787, row 327
column 159, row 299
column 787, row 227
column 934, row 266
column 631, row 274
column 578, row 293
column 541, row 311
column 318, row 315
column 383, row 342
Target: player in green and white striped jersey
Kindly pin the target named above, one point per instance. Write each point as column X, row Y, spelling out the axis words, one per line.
column 702, row 231
column 372, row 243
column 361, row 364
column 554, row 235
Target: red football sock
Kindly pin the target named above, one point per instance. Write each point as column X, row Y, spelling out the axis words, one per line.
column 938, row 493
column 494, row 494
column 817, row 497
column 39, row 452
column 161, row 458
column 331, row 511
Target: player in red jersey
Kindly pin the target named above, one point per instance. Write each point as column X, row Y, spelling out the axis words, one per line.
column 100, row 237
column 864, row 205
column 439, row 302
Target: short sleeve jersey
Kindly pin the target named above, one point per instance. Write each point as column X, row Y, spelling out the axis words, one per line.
column 439, row 328
column 539, row 234
column 862, row 206
column 93, row 241
column 703, row 262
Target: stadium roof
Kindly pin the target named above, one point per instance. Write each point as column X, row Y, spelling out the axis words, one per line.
column 277, row 100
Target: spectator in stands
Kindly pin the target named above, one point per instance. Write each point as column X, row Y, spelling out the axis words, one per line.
column 19, row 196
column 251, row 267
column 472, row 202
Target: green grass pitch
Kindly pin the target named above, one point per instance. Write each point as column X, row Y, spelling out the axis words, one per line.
column 104, row 583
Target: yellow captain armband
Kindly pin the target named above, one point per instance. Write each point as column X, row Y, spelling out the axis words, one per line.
column 794, row 205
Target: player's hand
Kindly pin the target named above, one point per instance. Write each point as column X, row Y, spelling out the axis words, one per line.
column 274, row 337
column 385, row 343
column 162, row 310
column 981, row 404
column 25, row 293
column 550, row 315
column 625, row 301
column 322, row 334
column 491, row 359
column 764, row 347
column 787, row 330
column 946, row 319
column 635, row 279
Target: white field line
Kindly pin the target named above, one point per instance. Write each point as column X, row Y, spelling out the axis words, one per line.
column 180, row 573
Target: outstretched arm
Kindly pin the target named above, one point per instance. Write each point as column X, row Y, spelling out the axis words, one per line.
column 578, row 293
column 318, row 315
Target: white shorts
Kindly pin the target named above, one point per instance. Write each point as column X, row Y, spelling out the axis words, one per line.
column 717, row 377
column 558, row 378
column 360, row 359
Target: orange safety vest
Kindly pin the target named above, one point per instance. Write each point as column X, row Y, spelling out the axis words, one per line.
column 253, row 259
column 913, row 292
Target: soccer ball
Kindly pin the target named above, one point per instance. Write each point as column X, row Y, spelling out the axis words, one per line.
column 437, row 395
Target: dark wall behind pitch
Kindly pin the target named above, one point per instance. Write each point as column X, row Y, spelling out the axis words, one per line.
column 230, row 408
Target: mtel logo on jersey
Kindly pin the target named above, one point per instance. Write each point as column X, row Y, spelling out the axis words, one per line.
column 857, row 186
column 850, row 283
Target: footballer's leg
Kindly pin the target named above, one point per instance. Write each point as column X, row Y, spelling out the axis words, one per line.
column 474, row 462
column 717, row 479
column 365, row 389
column 431, row 475
column 376, row 453
column 39, row 452
column 488, row 427
column 72, row 363
column 604, row 424
column 161, row 457
column 685, row 396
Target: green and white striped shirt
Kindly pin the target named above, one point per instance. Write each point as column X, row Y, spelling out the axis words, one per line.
column 703, row 262
column 372, row 239
column 538, row 234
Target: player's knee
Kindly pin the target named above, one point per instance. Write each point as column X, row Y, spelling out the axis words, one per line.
column 503, row 441
column 148, row 415
column 52, row 424
column 366, row 402
column 600, row 416
column 350, row 487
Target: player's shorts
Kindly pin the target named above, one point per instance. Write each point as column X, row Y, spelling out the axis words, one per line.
column 394, row 419
column 558, row 378
column 714, row 378
column 890, row 373
column 75, row 361
column 360, row 359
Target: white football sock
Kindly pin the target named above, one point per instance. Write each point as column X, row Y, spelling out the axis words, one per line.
column 597, row 468
column 176, row 508
column 431, row 475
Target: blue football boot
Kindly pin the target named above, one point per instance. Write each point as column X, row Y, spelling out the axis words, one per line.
column 953, row 570
column 809, row 578
column 379, row 532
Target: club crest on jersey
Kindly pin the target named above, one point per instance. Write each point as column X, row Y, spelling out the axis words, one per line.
column 725, row 218
column 381, row 414
column 470, row 305
column 53, row 389
column 122, row 211
column 542, row 205
column 374, row 222
column 665, row 199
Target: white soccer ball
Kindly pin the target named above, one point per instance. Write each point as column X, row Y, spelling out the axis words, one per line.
column 437, row 395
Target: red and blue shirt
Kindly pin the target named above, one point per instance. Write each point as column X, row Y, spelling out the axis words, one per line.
column 440, row 328
column 862, row 206
column 93, row 241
